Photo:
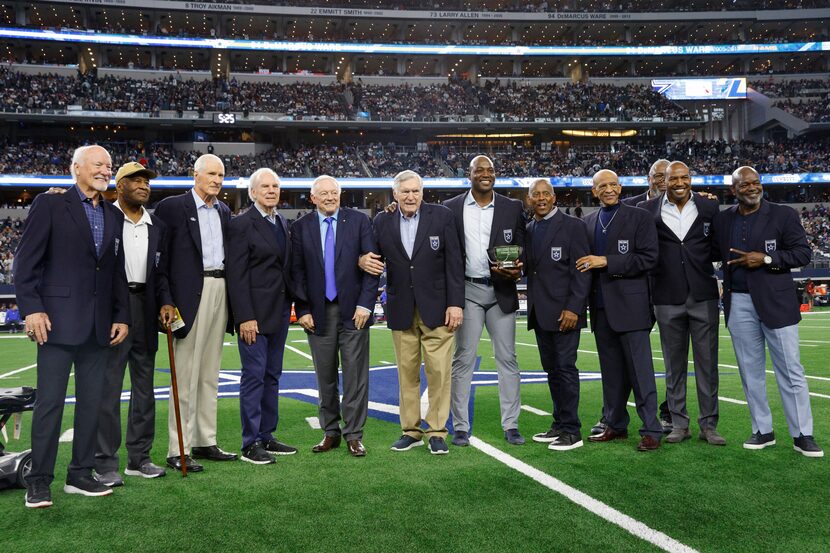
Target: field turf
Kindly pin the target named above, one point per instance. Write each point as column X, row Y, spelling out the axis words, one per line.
column 704, row 497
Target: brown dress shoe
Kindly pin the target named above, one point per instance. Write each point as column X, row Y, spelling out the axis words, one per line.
column 329, row 442
column 607, row 435
column 647, row 443
column 356, row 448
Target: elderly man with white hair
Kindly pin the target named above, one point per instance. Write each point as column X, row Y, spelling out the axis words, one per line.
column 335, row 301
column 197, row 229
column 425, row 301
column 259, row 257
column 72, row 289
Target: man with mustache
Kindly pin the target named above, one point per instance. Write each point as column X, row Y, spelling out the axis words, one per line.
column 557, row 293
column 73, row 315
column 624, row 250
column 761, row 242
column 144, row 256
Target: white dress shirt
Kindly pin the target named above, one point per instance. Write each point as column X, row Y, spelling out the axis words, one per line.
column 478, row 222
column 678, row 221
column 136, row 242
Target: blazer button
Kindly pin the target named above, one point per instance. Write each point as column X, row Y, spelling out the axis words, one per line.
column 412, row 266
column 97, row 268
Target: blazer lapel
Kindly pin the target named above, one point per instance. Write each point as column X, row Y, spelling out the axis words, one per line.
column 76, row 210
column 339, row 235
column 614, row 230
column 317, row 243
column 110, row 222
column 497, row 225
column 284, row 225
column 756, row 238
column 553, row 228
column 395, row 223
column 152, row 248
column 192, row 218
column 591, row 223
column 423, row 223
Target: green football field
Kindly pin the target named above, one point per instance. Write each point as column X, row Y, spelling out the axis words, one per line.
column 489, row 497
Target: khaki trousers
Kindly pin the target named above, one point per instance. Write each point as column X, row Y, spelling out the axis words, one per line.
column 437, row 345
column 198, row 357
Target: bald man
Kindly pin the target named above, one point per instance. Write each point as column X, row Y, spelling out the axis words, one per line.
column 685, row 294
column 72, row 289
column 623, row 242
column 656, row 184
column 760, row 243
column 485, row 219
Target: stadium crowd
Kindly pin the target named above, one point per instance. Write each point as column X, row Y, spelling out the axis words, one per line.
column 707, row 157
column 24, row 92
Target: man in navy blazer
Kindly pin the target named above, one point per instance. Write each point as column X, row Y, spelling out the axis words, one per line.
column 557, row 296
column 197, row 226
column 72, row 289
column 485, row 219
column 425, row 298
column 761, row 242
column 259, row 262
column 624, row 250
column 335, row 302
column 656, row 184
column 150, row 300
column 685, row 295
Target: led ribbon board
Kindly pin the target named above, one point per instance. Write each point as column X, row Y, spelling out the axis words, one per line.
column 35, row 181
column 428, row 49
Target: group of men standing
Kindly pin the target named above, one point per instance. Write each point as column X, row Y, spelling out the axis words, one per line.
column 93, row 279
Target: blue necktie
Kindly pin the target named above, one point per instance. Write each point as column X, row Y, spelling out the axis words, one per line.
column 331, row 285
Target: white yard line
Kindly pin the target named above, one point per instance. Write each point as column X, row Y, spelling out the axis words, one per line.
column 536, row 411
column 299, row 352
column 731, row 400
column 20, row 370
column 627, row 523
column 313, row 422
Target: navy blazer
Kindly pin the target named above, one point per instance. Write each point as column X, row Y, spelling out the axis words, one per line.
column 634, row 201
column 508, row 228
column 684, row 267
column 184, row 254
column 353, row 238
column 433, row 279
column 260, row 283
column 631, row 251
column 158, row 286
column 553, row 282
column 58, row 272
column 777, row 232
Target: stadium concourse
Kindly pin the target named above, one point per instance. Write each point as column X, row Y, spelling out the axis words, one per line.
column 554, row 93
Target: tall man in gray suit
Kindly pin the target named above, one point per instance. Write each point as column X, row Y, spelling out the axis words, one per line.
column 685, row 296
column 334, row 304
column 485, row 219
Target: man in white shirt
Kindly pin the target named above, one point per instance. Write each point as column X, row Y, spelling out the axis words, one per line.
column 685, row 297
column 144, row 252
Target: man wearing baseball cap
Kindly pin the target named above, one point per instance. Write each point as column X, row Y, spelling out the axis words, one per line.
column 144, row 260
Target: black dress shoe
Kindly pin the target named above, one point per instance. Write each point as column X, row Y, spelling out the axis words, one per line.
column 212, row 453
column 176, row 463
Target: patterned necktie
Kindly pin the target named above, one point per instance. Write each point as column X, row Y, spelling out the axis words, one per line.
column 331, row 286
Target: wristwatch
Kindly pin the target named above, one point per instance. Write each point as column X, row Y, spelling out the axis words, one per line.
column 767, row 260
